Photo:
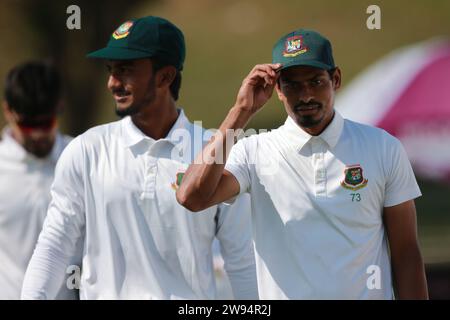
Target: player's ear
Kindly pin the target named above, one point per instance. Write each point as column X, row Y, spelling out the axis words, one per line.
column 60, row 106
column 278, row 89
column 165, row 76
column 6, row 110
column 336, row 78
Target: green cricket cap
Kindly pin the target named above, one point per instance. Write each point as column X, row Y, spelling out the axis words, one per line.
column 148, row 37
column 303, row 48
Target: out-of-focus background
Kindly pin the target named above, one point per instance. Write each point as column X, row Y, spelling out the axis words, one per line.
column 395, row 77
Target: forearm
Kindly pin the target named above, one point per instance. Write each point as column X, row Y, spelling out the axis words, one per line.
column 244, row 283
column 204, row 183
column 236, row 245
column 60, row 241
column 45, row 272
column 201, row 179
column 58, row 246
column 409, row 275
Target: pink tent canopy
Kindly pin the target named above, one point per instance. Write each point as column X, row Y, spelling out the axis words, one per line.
column 407, row 93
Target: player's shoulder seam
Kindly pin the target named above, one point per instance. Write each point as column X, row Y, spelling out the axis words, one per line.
column 368, row 129
column 100, row 131
column 372, row 135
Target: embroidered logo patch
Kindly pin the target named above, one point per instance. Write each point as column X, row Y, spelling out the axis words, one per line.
column 354, row 178
column 177, row 183
column 123, row 30
column 294, row 46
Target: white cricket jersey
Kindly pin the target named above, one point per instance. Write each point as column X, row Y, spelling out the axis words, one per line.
column 24, row 197
column 115, row 188
column 317, row 205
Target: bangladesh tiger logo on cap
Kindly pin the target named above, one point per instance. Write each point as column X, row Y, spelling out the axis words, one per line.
column 294, row 46
column 123, row 31
column 354, row 178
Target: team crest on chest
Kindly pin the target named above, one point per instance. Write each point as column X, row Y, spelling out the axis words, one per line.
column 353, row 177
column 123, row 30
column 177, row 183
column 294, row 46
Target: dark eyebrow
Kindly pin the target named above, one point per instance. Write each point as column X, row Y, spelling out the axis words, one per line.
column 287, row 80
column 124, row 63
column 318, row 75
column 310, row 78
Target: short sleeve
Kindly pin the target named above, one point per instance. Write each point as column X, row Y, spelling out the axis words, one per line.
column 401, row 184
column 238, row 165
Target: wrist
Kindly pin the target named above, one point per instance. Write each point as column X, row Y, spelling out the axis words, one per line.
column 243, row 111
column 237, row 118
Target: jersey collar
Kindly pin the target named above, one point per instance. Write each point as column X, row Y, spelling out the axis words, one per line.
column 300, row 138
column 132, row 134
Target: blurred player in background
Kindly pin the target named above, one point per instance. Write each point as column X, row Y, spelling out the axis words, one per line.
column 30, row 146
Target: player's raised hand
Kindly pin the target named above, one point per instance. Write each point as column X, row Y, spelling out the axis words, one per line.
column 257, row 87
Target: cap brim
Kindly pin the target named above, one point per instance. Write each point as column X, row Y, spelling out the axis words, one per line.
column 116, row 53
column 311, row 63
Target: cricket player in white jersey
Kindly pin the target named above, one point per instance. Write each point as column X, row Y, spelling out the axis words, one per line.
column 332, row 200
column 30, row 146
column 115, row 189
